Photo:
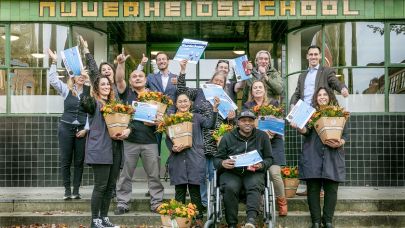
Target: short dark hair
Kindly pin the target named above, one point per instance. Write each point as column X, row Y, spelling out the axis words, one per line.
column 314, row 46
column 222, row 61
column 162, row 53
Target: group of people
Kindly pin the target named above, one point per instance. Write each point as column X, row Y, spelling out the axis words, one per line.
column 83, row 137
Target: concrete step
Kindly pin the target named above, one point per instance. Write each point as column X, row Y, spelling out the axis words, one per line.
column 142, row 205
column 131, row 220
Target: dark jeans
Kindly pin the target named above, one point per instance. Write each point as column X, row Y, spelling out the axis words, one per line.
column 71, row 148
column 314, row 188
column 231, row 186
column 105, row 178
column 195, row 196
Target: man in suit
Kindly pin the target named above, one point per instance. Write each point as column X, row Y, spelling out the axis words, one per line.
column 316, row 76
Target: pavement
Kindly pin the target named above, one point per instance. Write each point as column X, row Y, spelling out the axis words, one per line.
column 139, row 188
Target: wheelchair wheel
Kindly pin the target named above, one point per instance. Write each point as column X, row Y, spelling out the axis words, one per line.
column 270, row 205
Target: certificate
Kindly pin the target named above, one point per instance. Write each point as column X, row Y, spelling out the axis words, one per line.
column 211, row 91
column 145, row 112
column 246, row 159
column 73, row 61
column 190, row 50
column 300, row 114
column 268, row 123
column 241, row 71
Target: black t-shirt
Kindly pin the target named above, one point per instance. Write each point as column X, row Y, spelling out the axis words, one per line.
column 140, row 133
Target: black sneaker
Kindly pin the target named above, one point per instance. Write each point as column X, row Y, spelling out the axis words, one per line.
column 120, row 211
column 97, row 223
column 250, row 223
column 106, row 222
column 68, row 194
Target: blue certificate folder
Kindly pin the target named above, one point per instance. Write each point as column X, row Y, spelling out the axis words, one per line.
column 241, row 72
column 300, row 114
column 190, row 50
column 246, row 159
column 145, row 112
column 226, row 105
column 268, row 123
column 72, row 60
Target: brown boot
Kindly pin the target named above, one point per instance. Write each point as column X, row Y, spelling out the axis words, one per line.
column 282, row 206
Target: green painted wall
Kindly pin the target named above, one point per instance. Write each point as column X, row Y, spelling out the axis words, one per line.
column 29, row 11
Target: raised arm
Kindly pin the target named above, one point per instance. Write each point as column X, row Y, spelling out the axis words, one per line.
column 181, row 83
column 53, row 78
column 274, row 81
column 120, row 72
column 91, row 63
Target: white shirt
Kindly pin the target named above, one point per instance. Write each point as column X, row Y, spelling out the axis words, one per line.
column 165, row 80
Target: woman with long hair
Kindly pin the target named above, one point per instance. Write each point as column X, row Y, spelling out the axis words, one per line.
column 322, row 165
column 257, row 96
column 71, row 132
column 104, row 161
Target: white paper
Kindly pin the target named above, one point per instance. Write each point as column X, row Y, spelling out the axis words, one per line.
column 300, row 114
column 246, row 159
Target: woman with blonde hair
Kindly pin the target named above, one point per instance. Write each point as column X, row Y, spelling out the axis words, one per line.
column 257, row 96
column 71, row 132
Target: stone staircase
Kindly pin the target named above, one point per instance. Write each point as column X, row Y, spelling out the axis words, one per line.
column 357, row 207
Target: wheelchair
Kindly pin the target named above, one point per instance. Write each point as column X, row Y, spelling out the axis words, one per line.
column 215, row 209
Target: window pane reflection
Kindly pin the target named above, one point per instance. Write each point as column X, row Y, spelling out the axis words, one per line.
column 34, row 39
column 3, row 91
column 29, row 89
column 397, row 41
column 354, row 44
column 96, row 41
column 397, row 89
column 2, row 46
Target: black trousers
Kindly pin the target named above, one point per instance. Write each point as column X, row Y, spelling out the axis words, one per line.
column 231, row 186
column 105, row 178
column 195, row 196
column 314, row 202
column 71, row 149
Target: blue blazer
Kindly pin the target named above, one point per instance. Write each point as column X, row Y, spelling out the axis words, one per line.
column 154, row 83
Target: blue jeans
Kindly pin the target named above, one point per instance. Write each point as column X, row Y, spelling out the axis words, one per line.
column 209, row 173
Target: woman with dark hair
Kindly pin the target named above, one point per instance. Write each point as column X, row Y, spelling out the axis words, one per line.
column 100, row 155
column 187, row 166
column 204, row 107
column 257, row 96
column 71, row 132
column 322, row 165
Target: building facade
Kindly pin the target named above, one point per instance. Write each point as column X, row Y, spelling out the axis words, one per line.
column 362, row 39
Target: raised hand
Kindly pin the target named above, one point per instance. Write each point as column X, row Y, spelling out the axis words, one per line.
column 52, row 55
column 144, row 60
column 84, row 44
column 183, row 64
column 217, row 101
column 121, row 58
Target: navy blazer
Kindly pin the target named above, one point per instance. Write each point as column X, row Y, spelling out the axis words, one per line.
column 154, row 83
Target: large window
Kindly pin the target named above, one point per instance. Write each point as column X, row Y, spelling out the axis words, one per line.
column 357, row 51
column 27, row 73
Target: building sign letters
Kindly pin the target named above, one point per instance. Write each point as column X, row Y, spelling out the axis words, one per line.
column 184, row 9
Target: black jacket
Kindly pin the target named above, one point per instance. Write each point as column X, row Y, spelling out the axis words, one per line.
column 233, row 143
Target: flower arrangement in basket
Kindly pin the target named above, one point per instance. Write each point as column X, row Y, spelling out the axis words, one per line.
column 158, row 98
column 268, row 110
column 178, row 127
column 223, row 128
column 290, row 179
column 117, row 116
column 329, row 121
column 175, row 212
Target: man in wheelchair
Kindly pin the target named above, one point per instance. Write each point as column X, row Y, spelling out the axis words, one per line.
column 243, row 139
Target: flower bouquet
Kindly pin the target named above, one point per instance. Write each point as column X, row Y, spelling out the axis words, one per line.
column 157, row 98
column 116, row 116
column 223, row 128
column 329, row 121
column 176, row 214
column 290, row 179
column 178, row 127
column 269, row 118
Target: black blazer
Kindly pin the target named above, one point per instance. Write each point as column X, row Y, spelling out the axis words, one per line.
column 326, row 77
